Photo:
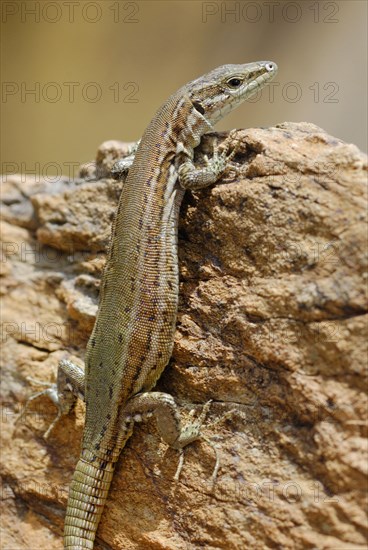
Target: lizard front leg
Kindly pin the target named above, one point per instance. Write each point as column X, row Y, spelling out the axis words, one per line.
column 123, row 165
column 191, row 177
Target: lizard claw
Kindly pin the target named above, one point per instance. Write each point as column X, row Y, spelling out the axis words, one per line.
column 195, row 430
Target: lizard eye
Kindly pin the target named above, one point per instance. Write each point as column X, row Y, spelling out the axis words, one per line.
column 234, row 82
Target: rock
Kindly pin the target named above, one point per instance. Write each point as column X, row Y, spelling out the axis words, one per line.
column 271, row 326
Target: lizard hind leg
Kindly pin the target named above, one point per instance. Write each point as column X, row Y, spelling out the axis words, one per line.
column 194, row 429
column 63, row 393
column 165, row 410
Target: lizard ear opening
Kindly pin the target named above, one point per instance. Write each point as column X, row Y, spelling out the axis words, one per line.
column 198, row 107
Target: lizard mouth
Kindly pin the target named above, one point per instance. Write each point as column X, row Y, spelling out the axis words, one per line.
column 269, row 71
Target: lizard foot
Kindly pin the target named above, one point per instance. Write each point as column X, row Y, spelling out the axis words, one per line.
column 193, row 431
column 52, row 393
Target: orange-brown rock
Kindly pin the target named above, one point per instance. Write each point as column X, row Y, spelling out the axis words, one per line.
column 271, row 325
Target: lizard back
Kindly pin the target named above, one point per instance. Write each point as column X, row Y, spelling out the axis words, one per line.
column 133, row 335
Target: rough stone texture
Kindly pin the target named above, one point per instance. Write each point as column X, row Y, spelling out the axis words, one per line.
column 271, row 323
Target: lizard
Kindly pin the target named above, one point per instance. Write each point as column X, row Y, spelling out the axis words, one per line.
column 132, row 339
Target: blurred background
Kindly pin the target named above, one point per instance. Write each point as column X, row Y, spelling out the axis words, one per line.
column 75, row 74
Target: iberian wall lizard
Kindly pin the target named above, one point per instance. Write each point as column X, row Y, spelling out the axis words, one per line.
column 133, row 335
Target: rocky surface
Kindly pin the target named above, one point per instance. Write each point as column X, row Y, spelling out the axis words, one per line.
column 271, row 325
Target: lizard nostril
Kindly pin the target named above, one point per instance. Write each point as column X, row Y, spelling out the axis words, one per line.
column 270, row 66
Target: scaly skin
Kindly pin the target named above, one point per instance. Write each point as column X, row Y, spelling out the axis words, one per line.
column 133, row 336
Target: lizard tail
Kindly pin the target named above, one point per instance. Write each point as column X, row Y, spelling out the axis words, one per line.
column 87, row 497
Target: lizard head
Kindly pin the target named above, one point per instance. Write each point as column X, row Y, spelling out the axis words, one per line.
column 217, row 93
